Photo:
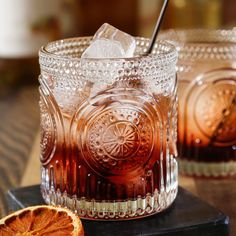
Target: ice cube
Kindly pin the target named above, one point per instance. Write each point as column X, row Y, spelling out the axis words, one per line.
column 109, row 42
column 104, row 48
column 70, row 98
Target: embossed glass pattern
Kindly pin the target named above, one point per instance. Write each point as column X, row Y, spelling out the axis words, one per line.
column 108, row 130
column 207, row 104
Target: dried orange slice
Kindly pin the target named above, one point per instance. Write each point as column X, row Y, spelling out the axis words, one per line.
column 41, row 221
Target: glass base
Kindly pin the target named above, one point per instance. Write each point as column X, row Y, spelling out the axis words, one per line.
column 207, row 169
column 104, row 210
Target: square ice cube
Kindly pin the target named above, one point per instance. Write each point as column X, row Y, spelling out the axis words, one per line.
column 109, row 42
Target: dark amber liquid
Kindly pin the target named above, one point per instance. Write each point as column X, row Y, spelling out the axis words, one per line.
column 74, row 176
column 207, row 153
column 118, row 152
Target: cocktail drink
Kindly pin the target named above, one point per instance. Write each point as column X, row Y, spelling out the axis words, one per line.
column 108, row 130
column 207, row 101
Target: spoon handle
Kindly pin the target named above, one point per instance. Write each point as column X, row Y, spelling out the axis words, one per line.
column 157, row 27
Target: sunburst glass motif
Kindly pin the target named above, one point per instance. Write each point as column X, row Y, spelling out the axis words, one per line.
column 121, row 139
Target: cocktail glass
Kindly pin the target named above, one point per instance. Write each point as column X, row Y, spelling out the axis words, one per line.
column 108, row 130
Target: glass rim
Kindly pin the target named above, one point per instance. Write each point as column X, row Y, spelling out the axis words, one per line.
column 203, row 44
column 200, row 37
column 163, row 57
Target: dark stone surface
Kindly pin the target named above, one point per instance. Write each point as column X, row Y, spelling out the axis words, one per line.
column 188, row 216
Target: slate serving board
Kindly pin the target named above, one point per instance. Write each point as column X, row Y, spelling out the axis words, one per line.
column 188, row 216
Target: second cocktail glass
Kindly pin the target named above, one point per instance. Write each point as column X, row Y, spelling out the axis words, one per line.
column 207, row 101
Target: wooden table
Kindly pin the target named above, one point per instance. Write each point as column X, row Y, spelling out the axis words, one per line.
column 19, row 123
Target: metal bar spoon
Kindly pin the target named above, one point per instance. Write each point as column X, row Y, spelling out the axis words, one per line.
column 157, row 27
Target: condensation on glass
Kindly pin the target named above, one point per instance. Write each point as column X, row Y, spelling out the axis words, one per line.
column 108, row 130
column 207, row 101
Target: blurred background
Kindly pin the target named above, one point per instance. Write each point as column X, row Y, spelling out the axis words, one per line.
column 25, row 25
column 138, row 16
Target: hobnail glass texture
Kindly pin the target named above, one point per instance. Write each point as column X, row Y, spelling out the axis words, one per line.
column 108, row 130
